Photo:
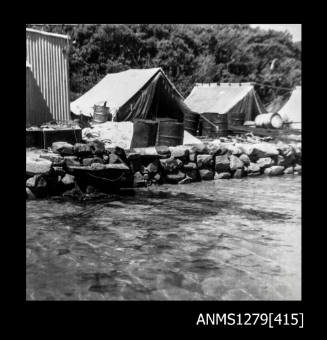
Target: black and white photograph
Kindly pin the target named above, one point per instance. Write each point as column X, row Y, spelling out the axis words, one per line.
column 163, row 162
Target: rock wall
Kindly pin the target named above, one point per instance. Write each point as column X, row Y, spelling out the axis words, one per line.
column 47, row 171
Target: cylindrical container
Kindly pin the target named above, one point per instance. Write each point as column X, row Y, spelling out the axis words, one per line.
column 214, row 125
column 271, row 120
column 191, row 122
column 144, row 133
column 101, row 113
column 170, row 133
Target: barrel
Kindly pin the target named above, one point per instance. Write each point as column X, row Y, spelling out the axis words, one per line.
column 270, row 120
column 191, row 122
column 214, row 125
column 101, row 113
column 144, row 133
column 170, row 133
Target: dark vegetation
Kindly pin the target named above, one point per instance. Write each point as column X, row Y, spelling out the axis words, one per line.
column 187, row 53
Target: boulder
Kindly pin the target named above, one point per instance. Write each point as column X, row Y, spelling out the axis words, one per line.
column 97, row 147
column 194, row 174
column 235, row 163
column 253, row 167
column 163, row 150
column 180, row 164
column 120, row 152
column 105, row 158
column 236, row 150
column 190, row 166
column 205, row 161
column 89, row 161
column 261, row 150
column 36, row 165
column 32, row 181
column 38, row 185
column 138, row 180
column 214, row 147
column 153, row 167
column 157, row 177
column 288, row 170
column 239, row 173
column 114, row 159
column 265, row 162
column 245, row 159
column 267, row 171
column 59, row 171
column 29, row 194
column 298, row 168
column 198, row 148
column 192, row 157
column 223, row 175
column 63, row 148
column 175, row 178
column 180, row 152
column 206, row 175
column 276, row 170
column 186, row 180
column 68, row 179
column 82, row 150
column 169, row 164
column 72, row 161
column 222, row 163
column 55, row 158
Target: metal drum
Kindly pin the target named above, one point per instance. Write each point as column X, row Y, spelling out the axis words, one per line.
column 170, row 133
column 269, row 120
column 101, row 113
column 144, row 133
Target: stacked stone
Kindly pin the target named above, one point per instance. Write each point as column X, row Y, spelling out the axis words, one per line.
column 220, row 159
column 46, row 172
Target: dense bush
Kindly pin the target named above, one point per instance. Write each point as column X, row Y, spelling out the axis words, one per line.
column 187, row 53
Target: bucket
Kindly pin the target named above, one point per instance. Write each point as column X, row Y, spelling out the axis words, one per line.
column 101, row 113
column 191, row 122
column 214, row 125
column 144, row 133
column 170, row 133
column 271, row 120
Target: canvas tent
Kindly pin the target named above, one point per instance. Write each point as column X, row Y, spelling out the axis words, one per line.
column 134, row 94
column 238, row 100
column 291, row 112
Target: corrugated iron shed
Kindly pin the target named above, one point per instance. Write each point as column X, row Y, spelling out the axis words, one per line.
column 47, row 77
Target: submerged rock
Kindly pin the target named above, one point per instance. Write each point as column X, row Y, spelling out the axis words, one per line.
column 206, row 175
column 223, row 175
column 289, row 170
column 276, row 170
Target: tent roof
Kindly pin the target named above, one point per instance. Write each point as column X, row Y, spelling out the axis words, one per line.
column 292, row 110
column 116, row 89
column 218, row 98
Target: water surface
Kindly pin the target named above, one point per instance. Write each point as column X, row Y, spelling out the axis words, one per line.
column 234, row 239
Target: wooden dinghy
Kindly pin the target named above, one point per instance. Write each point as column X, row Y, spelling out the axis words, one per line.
column 103, row 177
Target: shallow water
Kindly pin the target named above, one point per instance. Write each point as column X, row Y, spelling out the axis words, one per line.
column 216, row 240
